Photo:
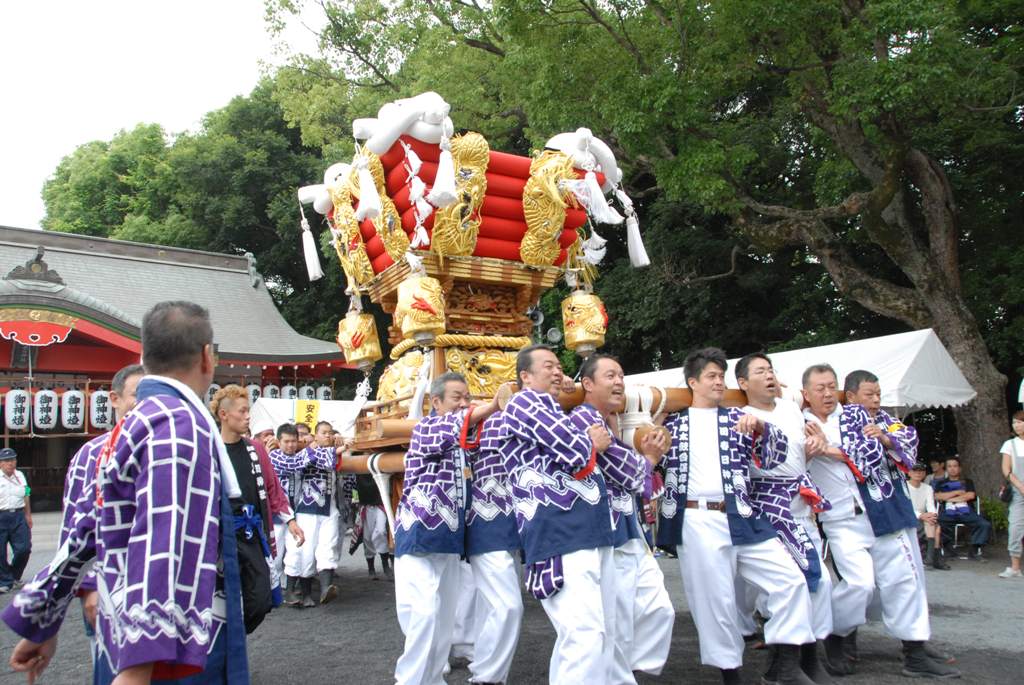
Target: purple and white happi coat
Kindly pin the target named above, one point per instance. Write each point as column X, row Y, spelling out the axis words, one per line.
column 625, row 472
column 311, row 476
column 431, row 515
column 773, row 496
column 490, row 519
column 81, row 479
column 156, row 537
column 736, row 452
column 560, row 494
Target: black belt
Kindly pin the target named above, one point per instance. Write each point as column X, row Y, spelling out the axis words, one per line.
column 8, row 511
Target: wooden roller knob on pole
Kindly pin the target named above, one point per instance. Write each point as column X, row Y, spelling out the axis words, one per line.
column 643, row 431
column 675, row 398
column 387, row 462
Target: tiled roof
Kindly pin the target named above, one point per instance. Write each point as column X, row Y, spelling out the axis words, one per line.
column 119, row 281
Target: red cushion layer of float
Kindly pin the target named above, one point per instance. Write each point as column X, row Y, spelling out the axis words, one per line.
column 497, row 184
column 497, row 249
column 382, row 262
column 516, row 166
column 393, row 157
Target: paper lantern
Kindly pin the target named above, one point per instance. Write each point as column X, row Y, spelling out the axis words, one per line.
column 210, row 392
column 289, row 392
column 254, row 391
column 44, row 409
column 323, row 393
column 272, row 392
column 72, row 410
column 17, row 410
column 307, row 392
column 101, row 411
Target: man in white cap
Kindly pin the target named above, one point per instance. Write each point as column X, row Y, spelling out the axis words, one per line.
column 15, row 520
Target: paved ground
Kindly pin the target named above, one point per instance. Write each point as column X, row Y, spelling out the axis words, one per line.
column 975, row 615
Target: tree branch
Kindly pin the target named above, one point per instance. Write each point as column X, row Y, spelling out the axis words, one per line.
column 623, row 40
column 879, row 295
column 669, row 271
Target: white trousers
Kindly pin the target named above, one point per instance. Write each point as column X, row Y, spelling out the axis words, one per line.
column 319, row 552
column 375, row 532
column 583, row 615
column 426, row 594
column 890, row 562
column 499, row 615
column 644, row 615
column 464, row 632
column 710, row 562
column 282, row 542
column 749, row 598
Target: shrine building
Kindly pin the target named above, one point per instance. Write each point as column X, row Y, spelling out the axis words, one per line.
column 71, row 309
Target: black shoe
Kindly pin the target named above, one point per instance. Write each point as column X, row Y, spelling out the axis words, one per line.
column 937, row 654
column 939, row 564
column 977, row 556
column 790, row 672
column 387, row 562
column 850, row 646
column 771, row 674
column 836, row 662
column 292, row 595
column 731, row 676
column 328, row 590
column 810, row 664
column 307, row 593
column 917, row 664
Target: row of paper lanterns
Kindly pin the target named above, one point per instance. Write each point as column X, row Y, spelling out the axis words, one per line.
column 44, row 407
column 284, row 392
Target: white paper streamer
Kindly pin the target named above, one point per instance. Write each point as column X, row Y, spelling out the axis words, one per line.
column 309, row 251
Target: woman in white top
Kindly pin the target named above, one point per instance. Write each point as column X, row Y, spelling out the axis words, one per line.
column 1013, row 469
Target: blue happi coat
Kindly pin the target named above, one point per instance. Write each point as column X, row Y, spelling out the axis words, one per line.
column 624, row 472
column 884, row 489
column 431, row 517
column 736, row 452
column 490, row 518
column 560, row 495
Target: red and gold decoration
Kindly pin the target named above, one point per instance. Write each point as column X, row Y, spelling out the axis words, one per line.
column 357, row 337
column 586, row 322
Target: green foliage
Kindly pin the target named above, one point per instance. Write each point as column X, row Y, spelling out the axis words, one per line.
column 228, row 187
column 996, row 511
column 712, row 109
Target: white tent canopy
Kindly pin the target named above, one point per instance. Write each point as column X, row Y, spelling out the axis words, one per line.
column 914, row 369
column 269, row 414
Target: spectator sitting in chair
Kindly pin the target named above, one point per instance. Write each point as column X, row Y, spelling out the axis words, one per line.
column 923, row 498
column 938, row 467
column 957, row 501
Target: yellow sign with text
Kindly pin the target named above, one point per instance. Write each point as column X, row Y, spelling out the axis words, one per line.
column 307, row 412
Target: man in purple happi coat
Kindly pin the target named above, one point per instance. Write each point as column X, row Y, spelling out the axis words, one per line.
column 787, row 496
column 166, row 562
column 643, row 611
column 719, row 533
column 82, row 478
column 564, row 519
column 430, row 529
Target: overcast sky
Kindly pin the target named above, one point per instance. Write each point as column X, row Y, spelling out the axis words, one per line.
column 72, row 72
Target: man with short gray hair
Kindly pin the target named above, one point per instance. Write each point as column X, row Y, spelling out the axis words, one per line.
column 170, row 603
column 430, row 528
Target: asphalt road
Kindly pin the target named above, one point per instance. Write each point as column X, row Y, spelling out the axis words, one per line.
column 976, row 616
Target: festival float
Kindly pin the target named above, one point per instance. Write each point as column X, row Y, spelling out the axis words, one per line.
column 458, row 242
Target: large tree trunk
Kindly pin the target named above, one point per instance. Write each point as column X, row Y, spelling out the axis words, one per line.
column 981, row 425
